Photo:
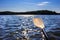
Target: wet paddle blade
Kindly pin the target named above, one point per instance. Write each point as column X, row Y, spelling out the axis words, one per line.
column 38, row 22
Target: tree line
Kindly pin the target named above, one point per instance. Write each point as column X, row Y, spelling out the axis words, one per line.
column 38, row 12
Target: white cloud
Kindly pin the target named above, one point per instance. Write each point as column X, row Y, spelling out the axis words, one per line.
column 43, row 3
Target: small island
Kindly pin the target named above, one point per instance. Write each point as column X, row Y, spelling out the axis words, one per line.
column 38, row 12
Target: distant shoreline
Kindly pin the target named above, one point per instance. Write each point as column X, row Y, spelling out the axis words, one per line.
column 38, row 12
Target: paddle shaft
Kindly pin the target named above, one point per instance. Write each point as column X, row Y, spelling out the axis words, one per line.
column 44, row 35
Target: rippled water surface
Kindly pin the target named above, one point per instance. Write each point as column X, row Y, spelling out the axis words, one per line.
column 14, row 27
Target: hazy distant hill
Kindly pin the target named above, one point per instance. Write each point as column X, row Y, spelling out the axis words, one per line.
column 42, row 12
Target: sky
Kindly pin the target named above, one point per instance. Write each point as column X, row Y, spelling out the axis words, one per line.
column 29, row 5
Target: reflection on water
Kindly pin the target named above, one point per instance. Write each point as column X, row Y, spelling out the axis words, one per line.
column 19, row 28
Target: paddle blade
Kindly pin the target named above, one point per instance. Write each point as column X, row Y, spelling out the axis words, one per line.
column 38, row 22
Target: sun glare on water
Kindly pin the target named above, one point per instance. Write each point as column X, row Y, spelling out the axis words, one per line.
column 25, row 15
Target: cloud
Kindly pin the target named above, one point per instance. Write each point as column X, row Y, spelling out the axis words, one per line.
column 43, row 3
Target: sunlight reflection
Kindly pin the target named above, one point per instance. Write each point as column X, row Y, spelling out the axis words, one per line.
column 25, row 15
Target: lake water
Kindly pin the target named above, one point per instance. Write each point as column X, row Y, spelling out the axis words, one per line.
column 13, row 27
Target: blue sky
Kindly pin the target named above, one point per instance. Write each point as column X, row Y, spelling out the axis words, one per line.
column 29, row 5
